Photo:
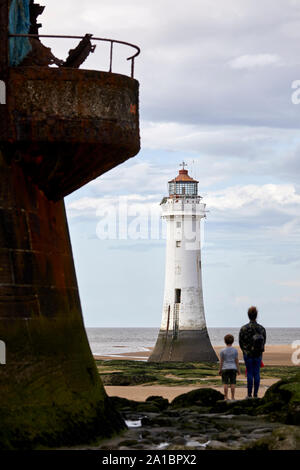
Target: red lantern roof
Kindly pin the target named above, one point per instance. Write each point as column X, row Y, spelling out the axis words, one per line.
column 183, row 176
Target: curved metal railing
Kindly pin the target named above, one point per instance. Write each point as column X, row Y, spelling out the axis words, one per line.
column 92, row 38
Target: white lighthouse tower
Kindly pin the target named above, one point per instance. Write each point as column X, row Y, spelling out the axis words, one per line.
column 183, row 334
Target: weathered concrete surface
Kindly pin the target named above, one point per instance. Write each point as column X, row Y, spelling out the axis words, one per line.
column 65, row 127
column 189, row 346
column 50, row 392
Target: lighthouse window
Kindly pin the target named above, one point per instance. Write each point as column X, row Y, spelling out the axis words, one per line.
column 171, row 188
column 187, row 188
column 177, row 296
column 178, row 224
column 178, row 244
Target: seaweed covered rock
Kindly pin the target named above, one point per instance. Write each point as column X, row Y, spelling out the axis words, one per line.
column 118, row 378
column 285, row 390
column 282, row 401
column 283, row 438
column 149, row 407
column 122, row 404
column 160, row 402
column 200, row 397
column 248, row 407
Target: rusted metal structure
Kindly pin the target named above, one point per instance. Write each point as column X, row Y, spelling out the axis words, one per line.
column 60, row 127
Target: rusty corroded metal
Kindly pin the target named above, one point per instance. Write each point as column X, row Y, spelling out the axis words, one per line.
column 3, row 38
column 50, row 392
column 35, row 11
column 59, row 129
column 68, row 126
column 78, row 55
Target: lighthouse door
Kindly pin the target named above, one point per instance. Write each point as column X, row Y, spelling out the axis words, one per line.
column 176, row 321
column 177, row 301
column 177, row 296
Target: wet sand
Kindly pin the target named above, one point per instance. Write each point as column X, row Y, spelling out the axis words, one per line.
column 274, row 355
column 141, row 392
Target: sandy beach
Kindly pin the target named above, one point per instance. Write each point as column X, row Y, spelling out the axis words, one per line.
column 141, row 392
column 274, row 355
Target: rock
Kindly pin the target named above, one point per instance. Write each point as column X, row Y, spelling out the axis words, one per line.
column 237, row 407
column 178, row 441
column 147, row 407
column 261, row 430
column 217, row 445
column 128, row 442
column 161, row 421
column 256, row 436
column 177, row 447
column 170, row 434
column 201, row 397
column 226, row 435
column 282, row 438
column 146, row 421
column 282, row 401
column 171, row 413
column 147, row 443
column 189, row 425
column 211, row 430
column 139, row 446
column 160, row 402
column 122, row 404
column 284, row 390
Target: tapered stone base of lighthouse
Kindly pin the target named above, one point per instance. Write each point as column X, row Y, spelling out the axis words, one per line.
column 183, row 335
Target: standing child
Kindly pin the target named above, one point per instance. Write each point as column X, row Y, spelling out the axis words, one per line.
column 229, row 366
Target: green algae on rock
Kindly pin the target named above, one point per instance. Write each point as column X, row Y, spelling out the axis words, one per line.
column 201, row 397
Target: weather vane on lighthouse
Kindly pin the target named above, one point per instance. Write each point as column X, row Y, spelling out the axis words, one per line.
column 183, row 334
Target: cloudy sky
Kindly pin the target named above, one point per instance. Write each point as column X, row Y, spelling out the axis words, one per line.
column 215, row 90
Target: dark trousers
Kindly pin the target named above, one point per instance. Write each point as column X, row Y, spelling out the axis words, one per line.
column 253, row 373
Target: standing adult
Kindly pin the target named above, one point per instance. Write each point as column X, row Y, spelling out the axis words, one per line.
column 252, row 340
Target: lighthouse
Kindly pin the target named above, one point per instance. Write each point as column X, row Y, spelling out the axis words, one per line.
column 183, row 334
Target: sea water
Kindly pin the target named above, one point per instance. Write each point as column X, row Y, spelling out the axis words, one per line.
column 108, row 341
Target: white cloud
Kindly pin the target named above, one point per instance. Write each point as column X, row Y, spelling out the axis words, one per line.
column 290, row 283
column 139, row 176
column 186, row 47
column 255, row 60
column 215, row 82
column 272, row 209
column 254, row 198
column 92, row 207
column 230, row 140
